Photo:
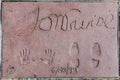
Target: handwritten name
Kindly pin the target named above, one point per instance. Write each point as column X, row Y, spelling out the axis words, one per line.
column 68, row 70
column 72, row 20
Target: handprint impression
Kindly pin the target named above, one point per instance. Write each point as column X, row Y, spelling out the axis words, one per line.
column 48, row 56
column 24, row 56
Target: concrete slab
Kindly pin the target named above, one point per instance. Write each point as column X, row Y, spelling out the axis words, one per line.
column 59, row 40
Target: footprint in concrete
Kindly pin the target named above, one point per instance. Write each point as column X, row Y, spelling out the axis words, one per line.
column 74, row 52
column 96, row 50
column 96, row 54
column 74, row 63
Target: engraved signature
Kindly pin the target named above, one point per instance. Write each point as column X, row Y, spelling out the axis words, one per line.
column 71, row 20
column 68, row 70
column 67, row 25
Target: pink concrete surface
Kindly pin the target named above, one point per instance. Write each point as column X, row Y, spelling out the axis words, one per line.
column 59, row 40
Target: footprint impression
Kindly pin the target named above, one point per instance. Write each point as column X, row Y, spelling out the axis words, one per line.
column 96, row 54
column 74, row 52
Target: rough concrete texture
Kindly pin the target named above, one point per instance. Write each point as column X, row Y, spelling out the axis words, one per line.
column 59, row 40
